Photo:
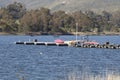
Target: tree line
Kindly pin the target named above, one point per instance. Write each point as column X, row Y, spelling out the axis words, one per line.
column 15, row 18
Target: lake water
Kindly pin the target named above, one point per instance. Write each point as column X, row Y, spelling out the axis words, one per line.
column 34, row 62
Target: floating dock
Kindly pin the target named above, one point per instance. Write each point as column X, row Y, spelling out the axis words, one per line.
column 105, row 46
column 99, row 46
column 42, row 43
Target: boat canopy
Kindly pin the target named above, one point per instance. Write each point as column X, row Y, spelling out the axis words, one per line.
column 58, row 41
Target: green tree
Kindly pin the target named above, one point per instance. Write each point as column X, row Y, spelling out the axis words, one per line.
column 84, row 22
column 16, row 10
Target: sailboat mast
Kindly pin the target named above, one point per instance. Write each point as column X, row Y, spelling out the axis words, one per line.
column 76, row 30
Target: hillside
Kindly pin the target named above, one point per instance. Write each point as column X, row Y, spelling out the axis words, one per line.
column 96, row 5
column 68, row 5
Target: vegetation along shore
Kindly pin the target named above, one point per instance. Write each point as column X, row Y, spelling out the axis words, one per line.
column 16, row 19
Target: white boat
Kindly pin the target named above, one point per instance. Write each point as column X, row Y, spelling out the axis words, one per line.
column 83, row 41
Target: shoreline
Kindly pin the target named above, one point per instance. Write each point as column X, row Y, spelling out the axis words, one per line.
column 78, row 33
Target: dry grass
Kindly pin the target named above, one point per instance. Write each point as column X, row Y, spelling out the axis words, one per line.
column 87, row 76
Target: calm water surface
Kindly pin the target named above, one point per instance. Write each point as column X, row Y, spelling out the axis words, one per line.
column 35, row 62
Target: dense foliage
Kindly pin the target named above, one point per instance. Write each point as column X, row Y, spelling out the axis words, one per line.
column 16, row 19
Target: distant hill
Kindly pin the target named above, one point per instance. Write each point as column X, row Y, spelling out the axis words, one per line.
column 69, row 5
